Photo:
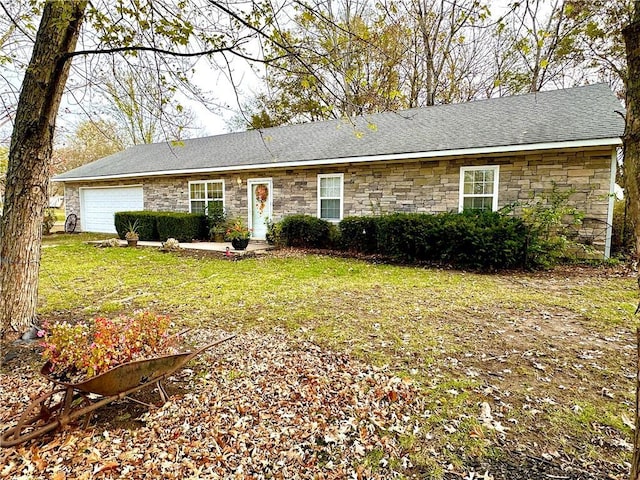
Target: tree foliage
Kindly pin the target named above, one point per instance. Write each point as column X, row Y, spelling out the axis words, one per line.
column 156, row 34
column 90, row 141
column 145, row 115
column 357, row 57
column 346, row 65
column 361, row 57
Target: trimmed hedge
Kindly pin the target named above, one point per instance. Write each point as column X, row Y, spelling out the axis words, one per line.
column 147, row 229
column 155, row 226
column 476, row 240
column 184, row 227
column 305, row 231
column 359, row 234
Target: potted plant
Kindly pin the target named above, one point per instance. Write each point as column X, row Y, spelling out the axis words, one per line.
column 238, row 234
column 132, row 235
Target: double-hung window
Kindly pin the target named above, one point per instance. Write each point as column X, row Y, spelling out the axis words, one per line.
column 330, row 196
column 479, row 188
column 203, row 194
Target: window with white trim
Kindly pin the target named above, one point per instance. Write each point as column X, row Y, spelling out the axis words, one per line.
column 205, row 193
column 330, row 187
column 479, row 188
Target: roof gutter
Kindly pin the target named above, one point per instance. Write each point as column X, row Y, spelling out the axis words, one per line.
column 601, row 142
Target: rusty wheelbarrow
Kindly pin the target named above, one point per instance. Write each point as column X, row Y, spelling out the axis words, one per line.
column 70, row 401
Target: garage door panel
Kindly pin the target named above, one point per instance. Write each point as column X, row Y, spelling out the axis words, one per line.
column 99, row 205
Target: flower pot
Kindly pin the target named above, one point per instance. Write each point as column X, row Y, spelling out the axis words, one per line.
column 240, row 243
column 132, row 243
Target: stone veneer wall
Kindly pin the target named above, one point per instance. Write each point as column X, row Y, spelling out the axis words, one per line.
column 414, row 186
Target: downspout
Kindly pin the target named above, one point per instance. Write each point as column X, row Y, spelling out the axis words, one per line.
column 612, row 197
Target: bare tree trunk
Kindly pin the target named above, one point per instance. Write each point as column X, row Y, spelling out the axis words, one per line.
column 632, row 132
column 635, row 465
column 427, row 51
column 26, row 191
column 631, row 35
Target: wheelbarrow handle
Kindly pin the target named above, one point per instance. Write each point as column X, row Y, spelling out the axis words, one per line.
column 208, row 346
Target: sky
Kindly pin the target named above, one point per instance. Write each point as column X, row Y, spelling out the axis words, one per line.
column 208, row 79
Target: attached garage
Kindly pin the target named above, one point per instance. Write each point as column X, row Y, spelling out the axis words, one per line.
column 97, row 206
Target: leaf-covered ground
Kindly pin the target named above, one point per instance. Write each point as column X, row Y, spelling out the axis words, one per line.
column 255, row 407
column 348, row 369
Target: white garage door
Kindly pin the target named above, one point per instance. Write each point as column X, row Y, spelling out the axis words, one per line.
column 98, row 205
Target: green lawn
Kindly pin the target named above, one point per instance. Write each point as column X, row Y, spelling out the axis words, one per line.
column 551, row 353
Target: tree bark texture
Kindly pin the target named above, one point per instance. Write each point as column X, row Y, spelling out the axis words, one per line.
column 635, row 465
column 631, row 35
column 27, row 181
column 632, row 130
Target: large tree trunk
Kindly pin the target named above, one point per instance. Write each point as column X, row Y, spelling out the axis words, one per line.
column 635, row 465
column 632, row 132
column 26, row 191
column 632, row 180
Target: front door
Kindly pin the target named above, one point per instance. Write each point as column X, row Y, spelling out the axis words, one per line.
column 260, row 206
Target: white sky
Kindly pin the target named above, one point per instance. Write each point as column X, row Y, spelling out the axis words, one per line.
column 219, row 83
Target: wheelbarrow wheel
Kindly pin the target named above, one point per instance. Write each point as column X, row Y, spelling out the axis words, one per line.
column 37, row 419
column 43, row 415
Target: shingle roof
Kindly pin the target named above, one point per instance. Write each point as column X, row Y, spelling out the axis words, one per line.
column 586, row 113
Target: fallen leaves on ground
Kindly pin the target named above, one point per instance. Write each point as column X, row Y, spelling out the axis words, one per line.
column 257, row 406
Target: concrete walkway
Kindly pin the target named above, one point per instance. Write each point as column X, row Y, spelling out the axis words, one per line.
column 255, row 246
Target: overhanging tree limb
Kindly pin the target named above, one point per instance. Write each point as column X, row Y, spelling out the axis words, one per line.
column 228, row 49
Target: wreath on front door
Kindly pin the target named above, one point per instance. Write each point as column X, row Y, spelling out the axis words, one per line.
column 262, row 194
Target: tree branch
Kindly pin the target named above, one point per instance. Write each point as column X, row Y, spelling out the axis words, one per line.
column 230, row 49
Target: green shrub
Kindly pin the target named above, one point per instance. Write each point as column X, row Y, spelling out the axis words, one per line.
column 159, row 226
column 147, row 229
column 305, row 231
column 550, row 219
column 184, row 227
column 409, row 236
column 274, row 230
column 335, row 236
column 474, row 239
column 485, row 240
column 216, row 219
column 359, row 234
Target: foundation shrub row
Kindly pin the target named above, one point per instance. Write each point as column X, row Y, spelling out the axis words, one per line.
column 159, row 226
